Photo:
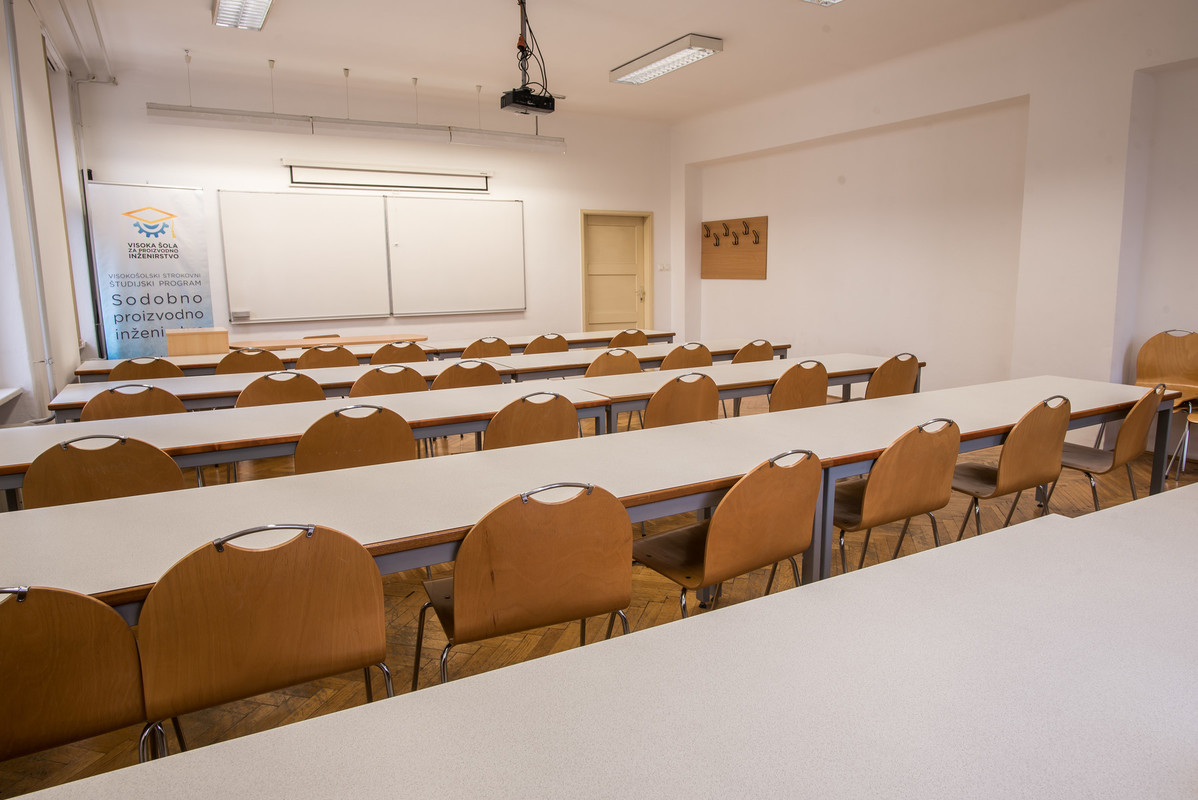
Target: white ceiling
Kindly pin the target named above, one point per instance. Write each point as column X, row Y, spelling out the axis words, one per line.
column 453, row 45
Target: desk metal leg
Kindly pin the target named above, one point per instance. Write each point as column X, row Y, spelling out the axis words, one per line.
column 1160, row 450
column 817, row 560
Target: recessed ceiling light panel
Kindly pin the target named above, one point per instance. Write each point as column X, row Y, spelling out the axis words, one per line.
column 822, row 2
column 246, row 14
column 666, row 59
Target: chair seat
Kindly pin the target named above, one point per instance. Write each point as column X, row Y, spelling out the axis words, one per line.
column 676, row 554
column 1087, row 459
column 975, row 480
column 440, row 594
column 850, row 496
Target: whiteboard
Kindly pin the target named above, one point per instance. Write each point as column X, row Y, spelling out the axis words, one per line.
column 453, row 256
column 294, row 256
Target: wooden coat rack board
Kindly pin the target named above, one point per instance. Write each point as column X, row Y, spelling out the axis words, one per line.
column 735, row 248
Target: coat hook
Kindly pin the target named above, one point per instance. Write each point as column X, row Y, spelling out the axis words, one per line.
column 735, row 238
column 717, row 239
column 756, row 238
column 745, row 222
column 725, row 230
column 706, row 232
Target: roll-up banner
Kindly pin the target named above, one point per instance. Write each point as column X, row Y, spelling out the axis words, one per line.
column 151, row 260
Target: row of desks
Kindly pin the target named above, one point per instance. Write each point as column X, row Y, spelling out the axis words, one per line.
column 412, row 514
column 236, row 434
column 220, row 391
column 981, row 670
column 289, row 351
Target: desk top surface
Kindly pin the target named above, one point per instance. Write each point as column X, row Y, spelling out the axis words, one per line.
column 111, row 545
column 935, row 676
column 299, row 341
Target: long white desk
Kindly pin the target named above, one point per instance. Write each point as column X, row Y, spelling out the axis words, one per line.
column 935, row 676
column 575, row 362
column 239, row 434
column 220, row 391
column 97, row 369
column 414, row 513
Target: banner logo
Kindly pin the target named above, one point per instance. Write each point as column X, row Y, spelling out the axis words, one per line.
column 151, row 222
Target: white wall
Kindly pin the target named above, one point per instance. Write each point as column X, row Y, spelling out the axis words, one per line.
column 609, row 165
column 1076, row 68
column 922, row 217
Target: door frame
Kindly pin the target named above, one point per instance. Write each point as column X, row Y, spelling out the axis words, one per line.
column 646, row 218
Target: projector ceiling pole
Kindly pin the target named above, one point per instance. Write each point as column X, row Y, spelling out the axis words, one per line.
column 522, row 45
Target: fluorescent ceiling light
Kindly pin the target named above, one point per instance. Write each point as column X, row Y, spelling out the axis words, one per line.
column 246, row 14
column 510, row 141
column 380, row 130
column 231, row 118
column 822, row 2
column 676, row 54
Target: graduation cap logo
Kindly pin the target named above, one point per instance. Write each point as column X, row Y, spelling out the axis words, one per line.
column 151, row 222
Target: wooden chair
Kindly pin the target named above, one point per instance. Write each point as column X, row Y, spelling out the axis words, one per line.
column 326, row 355
column 547, row 343
column 279, row 387
column 530, row 563
column 140, row 369
column 802, row 386
column 389, row 379
column 687, row 356
column 766, row 517
column 629, row 337
column 1171, row 357
column 467, row 373
column 692, row 397
column 399, row 353
column 530, row 420
column 323, row 336
column 488, row 346
column 1130, row 442
column 70, row 670
column 1030, row 457
column 228, row 622
column 249, row 359
column 894, row 376
column 350, row 438
column 617, row 361
column 912, row 476
column 756, row 350
column 131, row 400
column 66, row 473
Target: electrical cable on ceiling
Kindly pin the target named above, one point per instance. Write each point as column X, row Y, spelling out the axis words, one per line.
column 525, row 53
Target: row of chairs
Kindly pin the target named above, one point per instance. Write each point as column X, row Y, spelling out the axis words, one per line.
column 334, row 355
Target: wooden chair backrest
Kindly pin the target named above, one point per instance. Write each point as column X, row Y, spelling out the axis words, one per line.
column 323, row 336
column 614, row 362
column 530, row 563
column 756, row 350
column 229, row 623
column 389, row 379
column 399, row 353
column 354, row 436
column 67, row 473
column 534, row 418
column 131, row 400
column 802, row 386
column 467, row 373
column 765, row 517
column 70, row 670
column 547, row 343
column 1031, row 453
column 487, row 346
column 692, row 397
column 1169, row 357
column 629, row 337
column 140, row 369
column 249, row 360
column 1132, row 439
column 914, row 475
column 326, row 355
column 686, row 356
column 894, row 376
column 279, row 387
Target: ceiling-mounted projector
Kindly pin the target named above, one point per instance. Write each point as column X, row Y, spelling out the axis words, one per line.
column 525, row 101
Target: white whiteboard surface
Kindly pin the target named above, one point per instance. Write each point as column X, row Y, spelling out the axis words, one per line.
column 451, row 256
column 304, row 256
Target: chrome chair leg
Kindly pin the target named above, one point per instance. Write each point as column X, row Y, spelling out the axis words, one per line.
column 903, row 535
column 445, row 663
column 975, row 509
column 419, row 643
column 582, row 632
column 1048, row 495
column 770, row 583
column 390, row 688
column 844, row 567
column 1093, row 489
column 682, row 602
column 147, row 742
column 864, row 548
column 935, row 529
column 178, row 734
column 611, row 622
column 1131, row 482
column 1011, row 513
column 794, row 566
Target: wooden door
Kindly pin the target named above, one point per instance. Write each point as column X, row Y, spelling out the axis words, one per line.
column 616, row 294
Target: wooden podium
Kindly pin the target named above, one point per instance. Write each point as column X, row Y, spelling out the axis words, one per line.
column 196, row 341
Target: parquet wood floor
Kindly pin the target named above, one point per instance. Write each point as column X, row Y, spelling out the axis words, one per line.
column 654, row 602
